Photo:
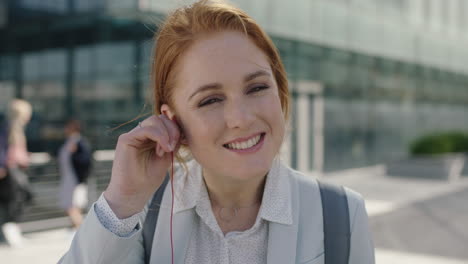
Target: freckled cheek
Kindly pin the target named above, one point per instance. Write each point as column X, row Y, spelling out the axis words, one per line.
column 203, row 128
column 270, row 105
column 273, row 113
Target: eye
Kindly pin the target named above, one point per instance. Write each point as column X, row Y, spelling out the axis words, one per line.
column 209, row 101
column 258, row 88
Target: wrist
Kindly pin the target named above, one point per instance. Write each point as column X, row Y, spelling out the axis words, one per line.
column 124, row 206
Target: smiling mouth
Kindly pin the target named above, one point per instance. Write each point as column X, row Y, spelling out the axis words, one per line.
column 245, row 144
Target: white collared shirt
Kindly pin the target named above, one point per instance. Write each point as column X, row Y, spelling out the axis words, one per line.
column 208, row 244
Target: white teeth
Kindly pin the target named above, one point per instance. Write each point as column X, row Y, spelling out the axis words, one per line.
column 254, row 141
column 245, row 144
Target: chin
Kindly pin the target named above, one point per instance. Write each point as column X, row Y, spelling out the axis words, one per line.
column 252, row 170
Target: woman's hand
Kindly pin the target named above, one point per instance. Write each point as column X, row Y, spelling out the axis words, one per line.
column 142, row 158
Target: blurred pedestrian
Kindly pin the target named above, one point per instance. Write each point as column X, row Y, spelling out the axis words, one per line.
column 74, row 166
column 15, row 190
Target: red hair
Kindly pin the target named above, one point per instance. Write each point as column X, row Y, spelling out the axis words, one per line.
column 182, row 28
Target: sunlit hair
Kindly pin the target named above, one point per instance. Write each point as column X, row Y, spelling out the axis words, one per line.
column 19, row 113
column 185, row 25
column 182, row 28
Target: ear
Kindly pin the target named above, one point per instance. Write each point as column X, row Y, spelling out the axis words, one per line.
column 170, row 113
column 167, row 110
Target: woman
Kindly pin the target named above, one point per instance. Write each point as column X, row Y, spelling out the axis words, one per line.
column 14, row 185
column 219, row 79
column 73, row 193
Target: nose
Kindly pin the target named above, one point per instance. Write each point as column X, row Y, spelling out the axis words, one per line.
column 238, row 114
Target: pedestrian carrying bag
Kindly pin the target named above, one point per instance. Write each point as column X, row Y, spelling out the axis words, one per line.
column 81, row 160
column 335, row 222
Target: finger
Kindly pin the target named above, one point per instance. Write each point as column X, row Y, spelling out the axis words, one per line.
column 173, row 130
column 159, row 151
column 158, row 123
column 165, row 143
column 152, row 133
column 153, row 120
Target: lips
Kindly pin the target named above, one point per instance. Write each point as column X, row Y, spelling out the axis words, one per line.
column 245, row 143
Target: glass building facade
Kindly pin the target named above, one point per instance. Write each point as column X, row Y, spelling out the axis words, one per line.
column 391, row 70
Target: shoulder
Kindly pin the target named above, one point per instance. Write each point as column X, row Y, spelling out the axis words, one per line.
column 299, row 181
column 307, row 188
column 355, row 202
column 308, row 183
column 358, row 218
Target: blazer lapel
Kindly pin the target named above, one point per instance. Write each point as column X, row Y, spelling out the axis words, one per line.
column 183, row 224
column 282, row 243
column 282, row 238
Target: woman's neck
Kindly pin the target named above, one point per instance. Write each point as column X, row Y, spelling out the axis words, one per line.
column 229, row 193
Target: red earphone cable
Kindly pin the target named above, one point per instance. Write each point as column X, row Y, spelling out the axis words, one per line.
column 172, row 206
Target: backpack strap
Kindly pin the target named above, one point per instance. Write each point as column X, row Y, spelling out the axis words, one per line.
column 335, row 223
column 152, row 218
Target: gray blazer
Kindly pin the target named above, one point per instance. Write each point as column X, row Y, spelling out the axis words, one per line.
column 301, row 242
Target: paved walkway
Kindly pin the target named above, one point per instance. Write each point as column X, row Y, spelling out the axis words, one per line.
column 413, row 221
column 39, row 248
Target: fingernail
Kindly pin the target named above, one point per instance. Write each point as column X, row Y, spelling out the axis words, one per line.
column 160, row 151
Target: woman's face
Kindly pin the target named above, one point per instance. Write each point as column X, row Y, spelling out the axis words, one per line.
column 226, row 98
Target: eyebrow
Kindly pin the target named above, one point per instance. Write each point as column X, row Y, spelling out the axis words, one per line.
column 256, row 74
column 217, row 86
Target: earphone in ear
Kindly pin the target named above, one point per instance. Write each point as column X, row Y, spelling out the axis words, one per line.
column 182, row 138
